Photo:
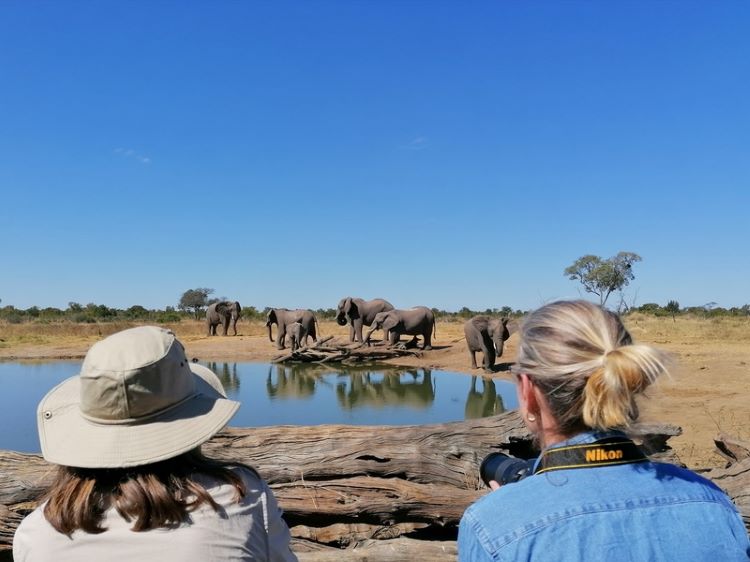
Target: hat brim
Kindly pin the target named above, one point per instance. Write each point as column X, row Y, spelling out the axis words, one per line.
column 67, row 438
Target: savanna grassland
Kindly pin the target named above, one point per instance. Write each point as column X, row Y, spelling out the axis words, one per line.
column 707, row 394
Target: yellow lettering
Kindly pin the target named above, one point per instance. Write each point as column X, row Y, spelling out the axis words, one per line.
column 598, row 455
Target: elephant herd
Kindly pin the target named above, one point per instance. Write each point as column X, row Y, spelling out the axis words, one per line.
column 295, row 327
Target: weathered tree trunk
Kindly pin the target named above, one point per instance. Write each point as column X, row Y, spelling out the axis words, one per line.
column 731, row 448
column 735, row 481
column 390, row 478
column 326, row 351
column 393, row 550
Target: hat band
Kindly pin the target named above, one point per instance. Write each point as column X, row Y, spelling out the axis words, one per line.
column 139, row 419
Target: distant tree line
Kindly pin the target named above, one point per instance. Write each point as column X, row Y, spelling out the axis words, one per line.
column 194, row 306
column 709, row 310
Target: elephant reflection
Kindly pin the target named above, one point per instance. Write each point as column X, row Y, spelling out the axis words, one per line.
column 485, row 403
column 227, row 375
column 390, row 390
column 292, row 381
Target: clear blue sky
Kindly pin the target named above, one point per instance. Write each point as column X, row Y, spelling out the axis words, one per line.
column 437, row 153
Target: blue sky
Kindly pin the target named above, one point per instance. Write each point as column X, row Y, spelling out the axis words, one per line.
column 440, row 153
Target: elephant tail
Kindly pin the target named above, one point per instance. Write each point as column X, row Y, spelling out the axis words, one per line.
column 434, row 329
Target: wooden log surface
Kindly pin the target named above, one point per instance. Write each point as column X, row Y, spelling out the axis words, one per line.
column 328, row 350
column 735, row 481
column 732, row 448
column 334, row 474
column 395, row 550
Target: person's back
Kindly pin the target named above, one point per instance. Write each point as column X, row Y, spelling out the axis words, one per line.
column 248, row 529
column 131, row 482
column 593, row 494
column 634, row 512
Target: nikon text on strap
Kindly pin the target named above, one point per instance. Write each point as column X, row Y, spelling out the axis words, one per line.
column 605, row 452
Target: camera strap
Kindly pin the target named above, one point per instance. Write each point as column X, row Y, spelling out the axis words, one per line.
column 605, row 452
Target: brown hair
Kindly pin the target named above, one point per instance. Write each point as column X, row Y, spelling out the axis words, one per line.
column 585, row 362
column 156, row 495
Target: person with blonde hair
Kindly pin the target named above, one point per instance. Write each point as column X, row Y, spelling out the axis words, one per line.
column 131, row 481
column 592, row 493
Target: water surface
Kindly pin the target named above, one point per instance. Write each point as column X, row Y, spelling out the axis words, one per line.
column 288, row 394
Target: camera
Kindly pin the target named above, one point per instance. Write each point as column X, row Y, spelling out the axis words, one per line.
column 504, row 469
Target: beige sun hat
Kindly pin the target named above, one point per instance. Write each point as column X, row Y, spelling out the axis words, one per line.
column 137, row 400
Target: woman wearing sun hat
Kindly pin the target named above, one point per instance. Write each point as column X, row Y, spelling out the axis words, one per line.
column 131, row 482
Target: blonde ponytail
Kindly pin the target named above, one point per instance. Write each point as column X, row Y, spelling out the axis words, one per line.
column 584, row 361
column 609, row 393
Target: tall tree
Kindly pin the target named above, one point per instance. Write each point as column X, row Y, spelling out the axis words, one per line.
column 602, row 277
column 673, row 307
column 195, row 300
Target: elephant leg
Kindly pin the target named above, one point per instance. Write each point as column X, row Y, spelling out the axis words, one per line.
column 427, row 339
column 281, row 336
column 488, row 349
column 351, row 333
column 473, row 356
column 358, row 330
column 393, row 338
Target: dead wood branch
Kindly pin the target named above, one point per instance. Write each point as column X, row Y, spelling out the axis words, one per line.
column 327, row 351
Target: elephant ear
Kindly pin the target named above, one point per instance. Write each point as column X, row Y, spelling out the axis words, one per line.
column 352, row 310
column 222, row 306
column 390, row 322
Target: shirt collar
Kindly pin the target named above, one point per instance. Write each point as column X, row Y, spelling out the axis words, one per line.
column 583, row 438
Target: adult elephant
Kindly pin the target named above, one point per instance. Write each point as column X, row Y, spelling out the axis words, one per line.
column 487, row 335
column 223, row 312
column 284, row 318
column 417, row 321
column 359, row 312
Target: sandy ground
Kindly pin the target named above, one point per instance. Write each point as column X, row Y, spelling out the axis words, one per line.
column 707, row 394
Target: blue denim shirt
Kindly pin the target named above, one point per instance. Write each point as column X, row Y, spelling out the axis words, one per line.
column 641, row 512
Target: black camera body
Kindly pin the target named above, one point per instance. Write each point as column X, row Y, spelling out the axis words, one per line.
column 505, row 469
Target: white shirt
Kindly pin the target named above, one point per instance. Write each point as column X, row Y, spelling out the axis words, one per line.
column 249, row 530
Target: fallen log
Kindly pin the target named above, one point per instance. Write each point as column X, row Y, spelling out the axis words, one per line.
column 732, row 448
column 394, row 550
column 325, row 351
column 735, row 481
column 345, row 534
column 334, row 474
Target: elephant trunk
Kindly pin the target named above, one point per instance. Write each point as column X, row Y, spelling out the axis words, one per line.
column 499, row 344
column 270, row 335
column 341, row 318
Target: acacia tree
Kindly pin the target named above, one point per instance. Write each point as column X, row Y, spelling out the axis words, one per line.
column 195, row 300
column 602, row 277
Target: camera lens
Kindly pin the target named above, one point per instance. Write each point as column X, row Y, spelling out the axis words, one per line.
column 504, row 469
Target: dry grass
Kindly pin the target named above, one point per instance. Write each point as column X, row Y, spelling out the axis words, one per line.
column 645, row 328
column 70, row 332
column 689, row 330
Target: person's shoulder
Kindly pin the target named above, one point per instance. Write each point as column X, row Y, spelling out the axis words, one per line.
column 678, row 476
column 249, row 476
column 32, row 528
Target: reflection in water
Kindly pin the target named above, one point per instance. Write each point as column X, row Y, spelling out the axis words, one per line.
column 485, row 403
column 368, row 389
column 227, row 375
column 287, row 394
column 292, row 381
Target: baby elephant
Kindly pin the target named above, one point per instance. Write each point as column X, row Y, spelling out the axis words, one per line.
column 487, row 335
column 297, row 335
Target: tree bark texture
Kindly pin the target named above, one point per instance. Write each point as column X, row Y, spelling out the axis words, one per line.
column 340, row 485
